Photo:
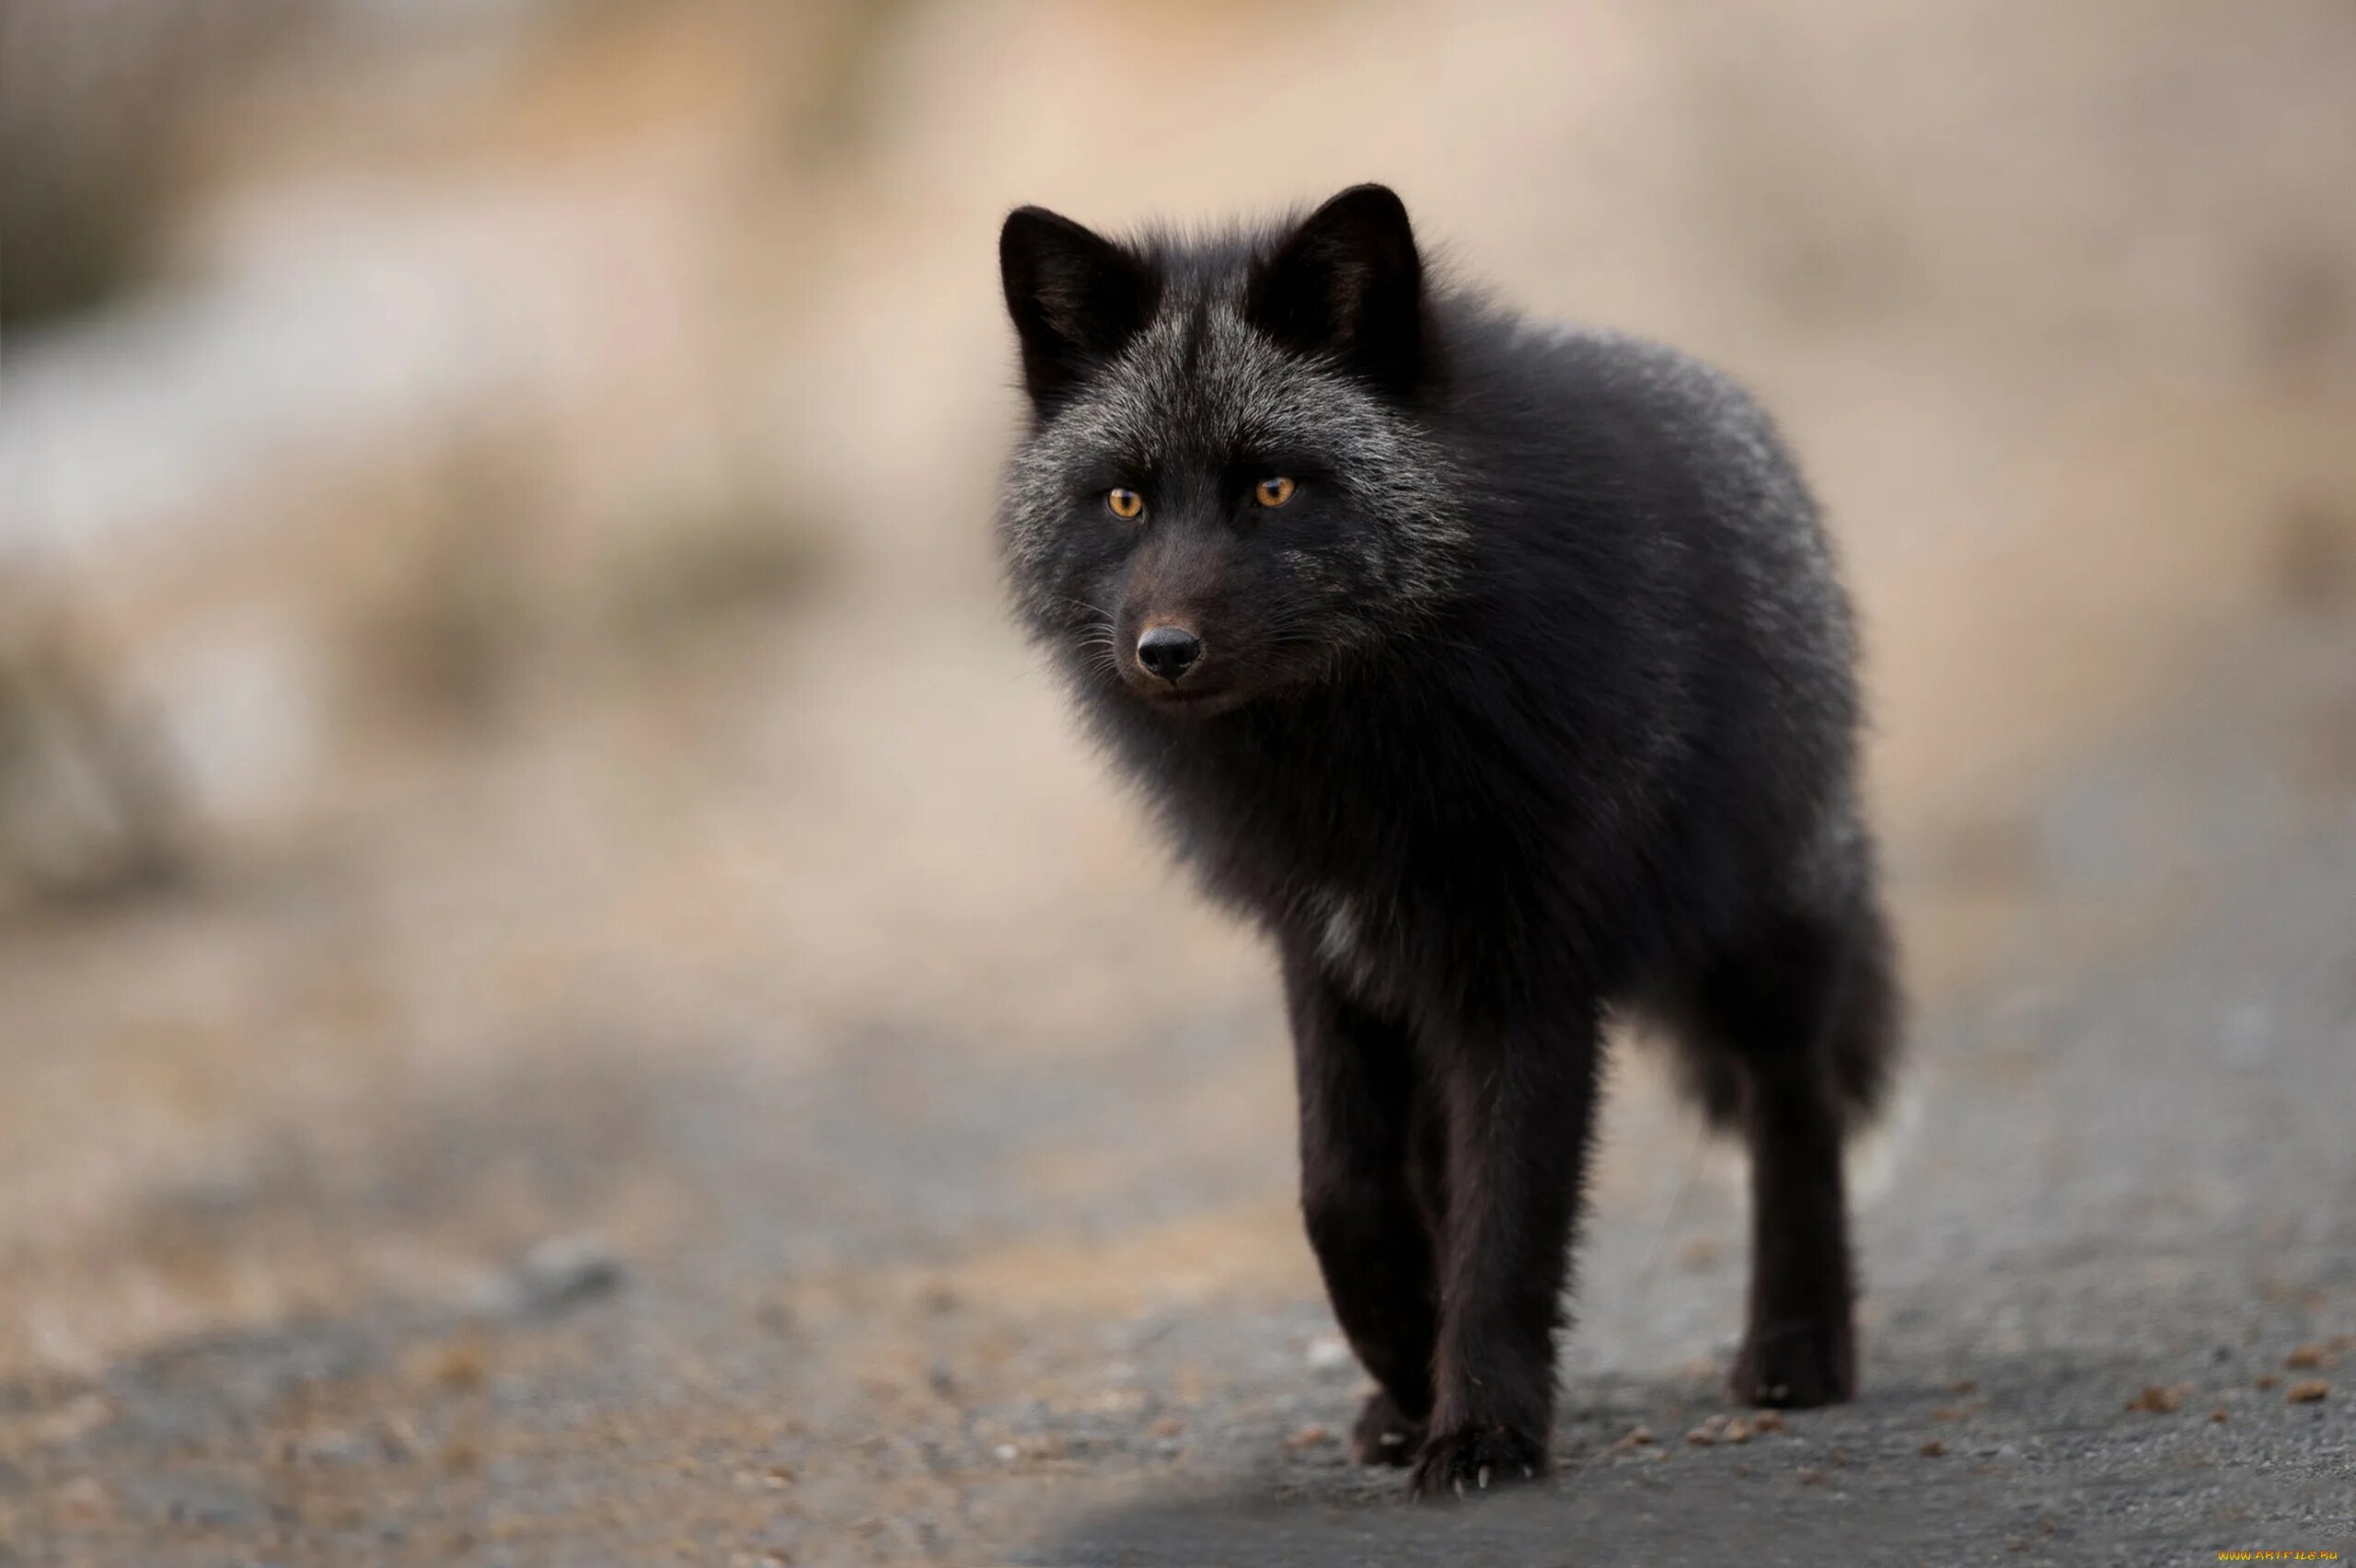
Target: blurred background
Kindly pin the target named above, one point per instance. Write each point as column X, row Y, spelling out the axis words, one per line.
column 562, row 975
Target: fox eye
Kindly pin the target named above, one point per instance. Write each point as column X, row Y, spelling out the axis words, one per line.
column 1274, row 491
column 1126, row 504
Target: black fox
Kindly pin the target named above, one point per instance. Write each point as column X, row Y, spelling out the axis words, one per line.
column 1502, row 674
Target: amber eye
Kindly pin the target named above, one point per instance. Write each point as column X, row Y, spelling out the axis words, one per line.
column 1126, row 504
column 1274, row 491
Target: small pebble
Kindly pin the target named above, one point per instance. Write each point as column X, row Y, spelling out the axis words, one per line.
column 1932, row 1449
column 397, row 1439
column 1637, row 1437
column 2155, row 1400
column 2306, row 1358
column 462, row 1366
column 564, row 1271
column 335, row 1448
column 1308, row 1437
column 1767, row 1421
column 2308, row 1391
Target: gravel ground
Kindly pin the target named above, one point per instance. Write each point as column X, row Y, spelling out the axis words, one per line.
column 914, row 1295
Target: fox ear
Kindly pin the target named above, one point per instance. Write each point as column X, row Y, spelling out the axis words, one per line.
column 1074, row 296
column 1347, row 283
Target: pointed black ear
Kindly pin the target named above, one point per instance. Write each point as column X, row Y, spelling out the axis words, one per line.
column 1349, row 283
column 1076, row 297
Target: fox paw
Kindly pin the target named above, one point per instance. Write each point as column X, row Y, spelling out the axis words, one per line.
column 1475, row 1460
column 1796, row 1364
column 1384, row 1434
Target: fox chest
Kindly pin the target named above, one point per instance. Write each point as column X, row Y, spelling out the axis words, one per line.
column 1370, row 923
column 1346, row 932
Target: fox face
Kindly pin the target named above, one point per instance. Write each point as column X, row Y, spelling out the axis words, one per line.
column 1226, row 490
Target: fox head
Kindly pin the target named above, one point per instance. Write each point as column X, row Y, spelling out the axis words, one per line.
column 1227, row 489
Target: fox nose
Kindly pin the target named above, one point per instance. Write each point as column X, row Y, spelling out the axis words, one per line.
column 1169, row 650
